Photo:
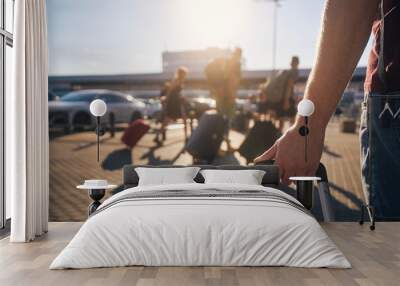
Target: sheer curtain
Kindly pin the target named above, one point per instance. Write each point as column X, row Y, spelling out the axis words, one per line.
column 27, row 157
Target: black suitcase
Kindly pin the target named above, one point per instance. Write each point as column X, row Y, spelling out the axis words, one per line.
column 206, row 139
column 240, row 122
column 261, row 137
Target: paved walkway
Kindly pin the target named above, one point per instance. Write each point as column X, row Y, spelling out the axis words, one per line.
column 73, row 159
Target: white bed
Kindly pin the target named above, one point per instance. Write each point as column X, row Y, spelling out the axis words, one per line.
column 236, row 229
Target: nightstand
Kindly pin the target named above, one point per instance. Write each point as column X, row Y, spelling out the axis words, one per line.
column 96, row 194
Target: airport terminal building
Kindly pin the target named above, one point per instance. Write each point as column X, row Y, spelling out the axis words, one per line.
column 194, row 60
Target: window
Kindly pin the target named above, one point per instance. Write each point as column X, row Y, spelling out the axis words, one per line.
column 9, row 17
column 6, row 43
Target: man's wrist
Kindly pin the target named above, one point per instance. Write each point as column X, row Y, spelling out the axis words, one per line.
column 325, row 99
column 314, row 123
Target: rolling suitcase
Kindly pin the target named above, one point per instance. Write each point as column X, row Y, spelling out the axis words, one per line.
column 261, row 137
column 135, row 131
column 240, row 122
column 206, row 139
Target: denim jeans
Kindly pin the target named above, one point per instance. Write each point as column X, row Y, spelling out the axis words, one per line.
column 380, row 155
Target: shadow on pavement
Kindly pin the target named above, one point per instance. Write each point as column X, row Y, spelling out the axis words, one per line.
column 117, row 159
column 341, row 211
column 155, row 160
column 331, row 153
column 85, row 145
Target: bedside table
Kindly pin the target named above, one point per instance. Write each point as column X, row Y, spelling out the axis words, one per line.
column 304, row 190
column 96, row 194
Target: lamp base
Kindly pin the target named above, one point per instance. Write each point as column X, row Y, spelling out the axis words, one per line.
column 96, row 195
column 305, row 193
column 305, row 189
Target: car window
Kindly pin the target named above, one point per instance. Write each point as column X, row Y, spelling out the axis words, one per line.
column 79, row 97
column 112, row 98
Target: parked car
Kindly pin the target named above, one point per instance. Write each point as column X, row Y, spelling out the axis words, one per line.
column 153, row 108
column 246, row 105
column 198, row 101
column 245, row 93
column 52, row 96
column 152, row 100
column 71, row 112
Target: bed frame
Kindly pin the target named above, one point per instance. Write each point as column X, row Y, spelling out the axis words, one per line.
column 270, row 179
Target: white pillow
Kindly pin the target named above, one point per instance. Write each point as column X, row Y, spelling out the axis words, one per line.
column 164, row 176
column 248, row 177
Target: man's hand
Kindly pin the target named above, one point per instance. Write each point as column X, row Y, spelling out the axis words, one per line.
column 288, row 152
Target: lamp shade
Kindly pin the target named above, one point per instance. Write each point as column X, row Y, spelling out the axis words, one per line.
column 98, row 107
column 305, row 107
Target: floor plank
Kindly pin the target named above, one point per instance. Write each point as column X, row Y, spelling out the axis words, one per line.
column 374, row 255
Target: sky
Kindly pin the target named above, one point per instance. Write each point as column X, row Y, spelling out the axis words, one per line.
column 128, row 36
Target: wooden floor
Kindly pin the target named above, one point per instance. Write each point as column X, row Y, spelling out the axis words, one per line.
column 374, row 255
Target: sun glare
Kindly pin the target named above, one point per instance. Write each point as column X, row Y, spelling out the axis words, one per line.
column 214, row 22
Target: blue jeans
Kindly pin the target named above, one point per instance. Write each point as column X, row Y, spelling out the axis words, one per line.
column 380, row 155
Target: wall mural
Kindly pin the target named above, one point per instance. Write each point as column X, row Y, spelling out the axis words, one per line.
column 205, row 105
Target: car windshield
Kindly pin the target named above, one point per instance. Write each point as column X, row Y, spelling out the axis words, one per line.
column 79, row 97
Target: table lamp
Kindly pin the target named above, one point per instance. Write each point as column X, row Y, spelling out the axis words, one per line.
column 305, row 108
column 98, row 108
column 305, row 184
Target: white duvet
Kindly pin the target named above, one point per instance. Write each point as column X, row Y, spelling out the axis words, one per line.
column 200, row 231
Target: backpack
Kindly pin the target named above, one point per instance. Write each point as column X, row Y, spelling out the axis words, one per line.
column 215, row 71
column 276, row 87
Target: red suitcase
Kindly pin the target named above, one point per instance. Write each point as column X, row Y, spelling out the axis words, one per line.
column 135, row 131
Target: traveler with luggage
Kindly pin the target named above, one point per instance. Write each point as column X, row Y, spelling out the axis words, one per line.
column 206, row 139
column 278, row 93
column 173, row 104
column 163, row 96
column 224, row 77
column 345, row 32
column 164, row 91
column 262, row 104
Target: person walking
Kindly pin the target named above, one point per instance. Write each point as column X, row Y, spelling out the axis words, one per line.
column 346, row 27
column 163, row 99
column 279, row 97
column 173, row 104
column 227, row 75
column 261, row 100
column 226, row 105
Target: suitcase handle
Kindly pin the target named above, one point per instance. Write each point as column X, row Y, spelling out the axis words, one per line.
column 321, row 171
column 323, row 190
